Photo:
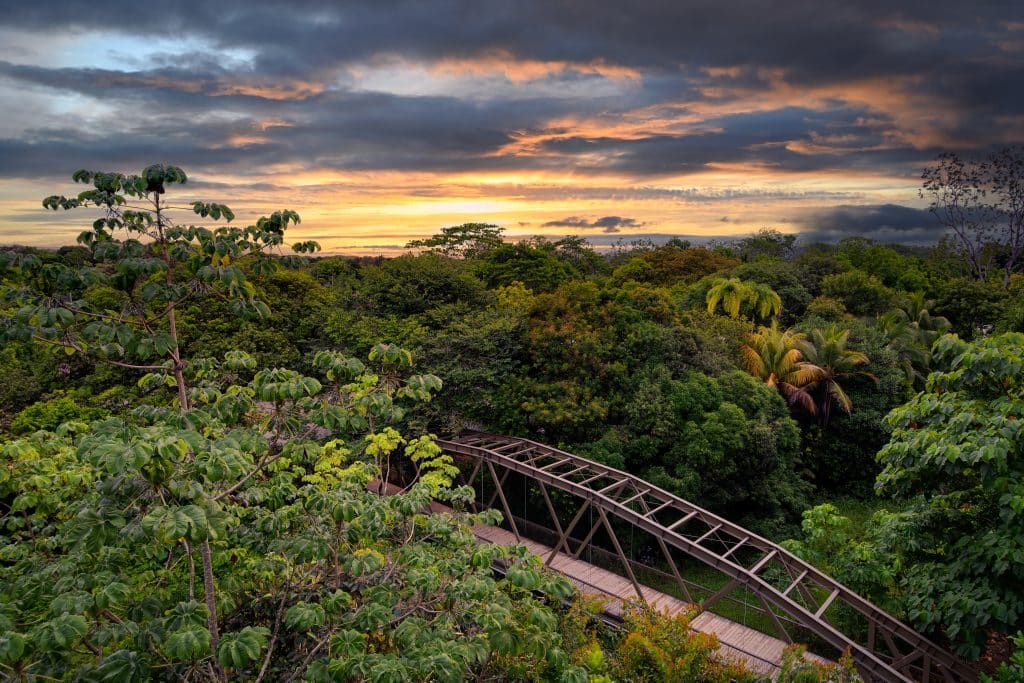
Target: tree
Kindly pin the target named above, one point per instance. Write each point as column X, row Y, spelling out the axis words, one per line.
column 927, row 326
column 409, row 285
column 956, row 463
column 904, row 340
column 177, row 264
column 736, row 296
column 730, row 292
column 263, row 474
column 982, row 203
column 783, row 277
column 766, row 243
column 670, row 264
column 535, row 263
column 468, row 240
column 763, row 302
column 862, row 294
column 910, row 331
column 972, row 307
column 827, row 361
column 774, row 356
column 99, row 558
column 580, row 255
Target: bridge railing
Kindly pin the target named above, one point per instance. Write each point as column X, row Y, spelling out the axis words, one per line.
column 783, row 584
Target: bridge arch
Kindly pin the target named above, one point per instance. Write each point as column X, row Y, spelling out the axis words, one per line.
column 888, row 650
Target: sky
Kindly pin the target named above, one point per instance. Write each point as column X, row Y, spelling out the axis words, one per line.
column 381, row 122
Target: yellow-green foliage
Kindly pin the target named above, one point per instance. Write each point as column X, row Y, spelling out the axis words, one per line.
column 798, row 669
column 662, row 649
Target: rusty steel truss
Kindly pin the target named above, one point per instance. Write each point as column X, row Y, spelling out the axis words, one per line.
column 790, row 590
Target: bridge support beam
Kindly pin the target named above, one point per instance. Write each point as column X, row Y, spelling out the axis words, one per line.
column 742, row 556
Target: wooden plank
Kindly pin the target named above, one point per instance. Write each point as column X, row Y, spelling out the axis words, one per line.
column 760, row 652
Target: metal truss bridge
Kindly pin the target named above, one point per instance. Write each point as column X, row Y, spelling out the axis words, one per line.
column 603, row 508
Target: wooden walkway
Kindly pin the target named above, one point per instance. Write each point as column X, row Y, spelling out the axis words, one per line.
column 761, row 653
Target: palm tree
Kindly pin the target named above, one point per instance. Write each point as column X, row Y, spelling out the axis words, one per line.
column 903, row 338
column 828, row 360
column 763, row 300
column 910, row 331
column 773, row 356
column 928, row 326
column 730, row 292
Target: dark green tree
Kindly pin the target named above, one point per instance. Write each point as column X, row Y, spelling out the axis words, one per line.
column 956, row 461
column 469, row 240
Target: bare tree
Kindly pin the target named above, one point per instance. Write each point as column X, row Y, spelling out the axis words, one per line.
column 1007, row 175
column 982, row 204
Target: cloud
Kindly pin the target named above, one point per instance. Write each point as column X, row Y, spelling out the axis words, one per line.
column 889, row 223
column 604, row 223
column 726, row 104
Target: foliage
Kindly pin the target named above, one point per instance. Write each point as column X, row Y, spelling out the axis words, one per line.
column 536, row 264
column 815, row 264
column 51, row 413
column 728, row 443
column 827, row 360
column 854, row 557
column 827, row 309
column 736, row 295
column 409, row 285
column 861, row 294
column 261, row 473
column 662, row 649
column 840, row 456
column 896, row 270
column 157, row 267
column 796, row 668
column 100, row 557
column 1012, row 319
column 774, row 357
column 956, row 458
column 668, row 265
column 536, row 338
column 469, row 240
column 22, row 375
column 766, row 243
column 971, row 306
column 781, row 277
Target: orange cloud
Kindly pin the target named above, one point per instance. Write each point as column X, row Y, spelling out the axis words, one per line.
column 519, row 70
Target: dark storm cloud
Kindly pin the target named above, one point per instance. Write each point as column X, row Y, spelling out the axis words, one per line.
column 882, row 223
column 784, row 85
column 190, row 115
column 815, row 37
column 297, row 50
column 604, row 224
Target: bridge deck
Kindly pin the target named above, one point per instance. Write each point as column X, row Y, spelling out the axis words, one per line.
column 760, row 652
column 792, row 593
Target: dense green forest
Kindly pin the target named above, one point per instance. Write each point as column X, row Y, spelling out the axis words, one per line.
column 191, row 420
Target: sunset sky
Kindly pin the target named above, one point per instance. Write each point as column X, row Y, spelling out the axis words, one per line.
column 381, row 122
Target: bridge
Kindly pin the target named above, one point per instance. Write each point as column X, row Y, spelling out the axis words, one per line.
column 600, row 505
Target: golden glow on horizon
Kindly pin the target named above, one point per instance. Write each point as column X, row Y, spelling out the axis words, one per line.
column 369, row 213
column 367, row 210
